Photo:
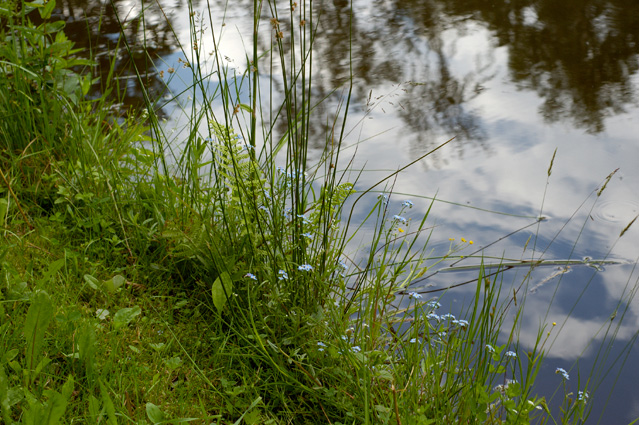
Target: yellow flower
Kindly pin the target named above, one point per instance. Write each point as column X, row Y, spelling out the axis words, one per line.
column 463, row 240
column 471, row 242
column 400, row 230
column 451, row 239
column 554, row 323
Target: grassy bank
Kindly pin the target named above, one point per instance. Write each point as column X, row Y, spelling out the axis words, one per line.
column 208, row 279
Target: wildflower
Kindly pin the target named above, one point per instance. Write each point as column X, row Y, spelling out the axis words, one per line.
column 400, row 219
column 451, row 239
column 304, row 219
column 471, row 242
column 282, row 275
column 344, row 338
column 307, row 235
column 321, row 345
column 305, row 267
column 433, row 304
column 433, row 316
column 490, row 348
column 400, row 230
column 463, row 240
column 250, row 276
column 413, row 340
column 583, row 396
column 448, row 316
column 563, row 373
column 407, row 203
column 414, row 295
column 511, row 354
column 356, row 349
column 461, row 323
column 342, row 265
column 554, row 323
column 384, row 198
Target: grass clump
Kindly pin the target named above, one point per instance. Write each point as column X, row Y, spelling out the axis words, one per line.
column 147, row 281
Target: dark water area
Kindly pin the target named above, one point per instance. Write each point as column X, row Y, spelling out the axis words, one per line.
column 512, row 81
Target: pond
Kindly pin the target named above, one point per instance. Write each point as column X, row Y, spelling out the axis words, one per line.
column 518, row 85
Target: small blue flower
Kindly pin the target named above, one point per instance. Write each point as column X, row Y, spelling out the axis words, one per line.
column 305, row 267
column 413, row 340
column 407, row 203
column 461, row 323
column 583, row 396
column 321, row 344
column 433, row 304
column 356, row 349
column 563, row 372
column 342, row 265
column 308, row 235
column 414, row 295
column 304, row 219
column 433, row 316
column 490, row 348
column 384, row 199
column 250, row 276
column 448, row 316
column 511, row 354
column 400, row 219
column 282, row 275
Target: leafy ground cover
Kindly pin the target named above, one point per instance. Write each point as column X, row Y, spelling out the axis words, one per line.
column 211, row 283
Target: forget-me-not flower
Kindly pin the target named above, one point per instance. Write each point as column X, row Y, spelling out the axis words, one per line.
column 563, row 373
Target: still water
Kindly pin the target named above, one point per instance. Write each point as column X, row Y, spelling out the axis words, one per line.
column 512, row 81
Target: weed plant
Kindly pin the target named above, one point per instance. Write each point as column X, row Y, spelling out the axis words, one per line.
column 209, row 280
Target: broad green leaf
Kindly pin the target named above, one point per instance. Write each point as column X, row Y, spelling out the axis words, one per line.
column 38, row 317
column 102, row 313
column 45, row 12
column 5, row 406
column 173, row 363
column 4, row 207
column 94, row 409
column 124, row 316
column 159, row 346
column 91, row 281
column 57, row 403
column 53, row 269
column 221, row 289
column 114, row 283
column 9, row 355
column 154, row 413
column 108, row 404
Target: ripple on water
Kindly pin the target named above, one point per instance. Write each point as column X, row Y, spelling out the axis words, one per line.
column 616, row 211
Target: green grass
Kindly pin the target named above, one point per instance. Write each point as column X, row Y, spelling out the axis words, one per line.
column 211, row 282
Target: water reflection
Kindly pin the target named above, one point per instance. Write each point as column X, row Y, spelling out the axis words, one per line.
column 578, row 55
column 94, row 26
